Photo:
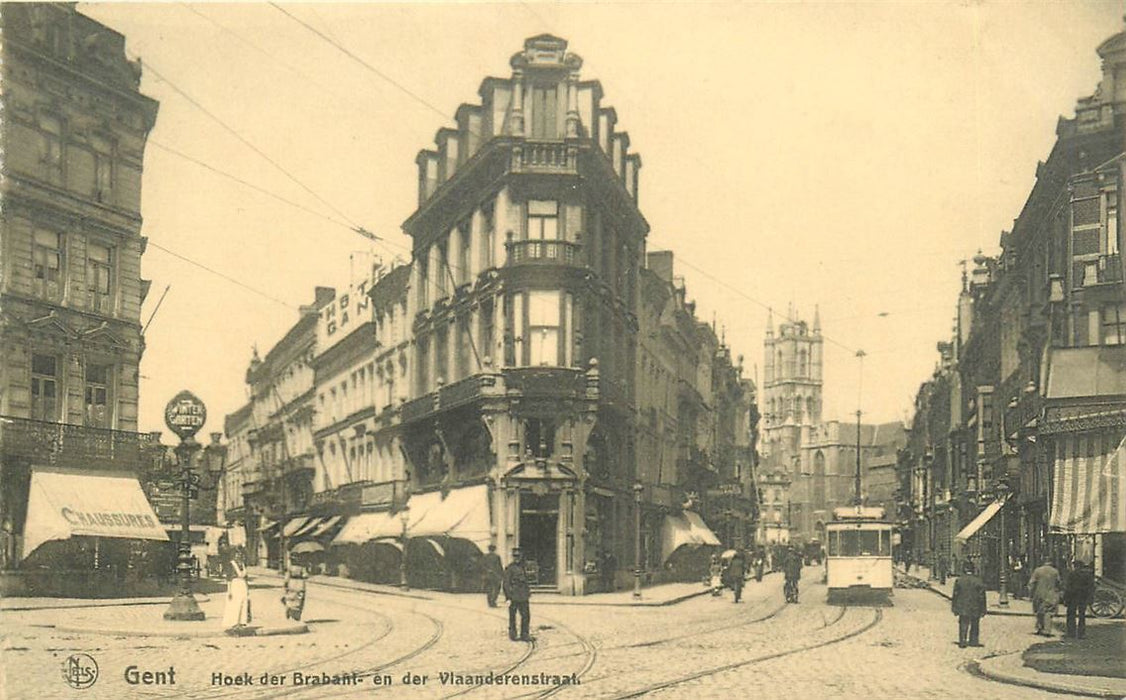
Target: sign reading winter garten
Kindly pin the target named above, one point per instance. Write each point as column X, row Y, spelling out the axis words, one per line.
column 185, row 414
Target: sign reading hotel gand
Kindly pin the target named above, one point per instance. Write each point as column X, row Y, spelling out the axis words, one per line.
column 185, row 414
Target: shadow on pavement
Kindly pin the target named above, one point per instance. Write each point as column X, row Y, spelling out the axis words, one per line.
column 1101, row 653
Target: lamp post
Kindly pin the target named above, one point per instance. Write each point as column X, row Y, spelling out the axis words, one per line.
column 404, row 516
column 637, row 489
column 185, row 414
column 1003, row 582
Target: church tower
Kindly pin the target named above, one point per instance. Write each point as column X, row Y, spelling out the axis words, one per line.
column 792, row 382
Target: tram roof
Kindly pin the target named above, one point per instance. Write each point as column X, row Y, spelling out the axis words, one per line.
column 854, row 513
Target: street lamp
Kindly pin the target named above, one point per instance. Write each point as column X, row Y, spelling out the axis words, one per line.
column 185, row 414
column 637, row 489
column 404, row 516
column 1003, row 583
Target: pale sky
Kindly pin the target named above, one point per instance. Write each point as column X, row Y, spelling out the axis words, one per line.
column 846, row 155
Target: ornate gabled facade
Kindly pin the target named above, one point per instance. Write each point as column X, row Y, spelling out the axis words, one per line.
column 73, row 135
column 527, row 247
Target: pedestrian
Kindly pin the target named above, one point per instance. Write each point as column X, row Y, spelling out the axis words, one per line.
column 492, row 574
column 759, row 563
column 236, row 613
column 736, row 571
column 715, row 575
column 517, row 593
column 609, row 568
column 906, row 561
column 1077, row 593
column 940, row 567
column 968, row 603
column 1043, row 588
column 1020, row 574
column 792, row 570
column 294, row 598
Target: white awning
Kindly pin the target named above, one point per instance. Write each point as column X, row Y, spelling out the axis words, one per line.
column 464, row 514
column 266, row 525
column 979, row 522
column 369, row 526
column 685, row 529
column 325, row 525
column 64, row 504
column 294, row 525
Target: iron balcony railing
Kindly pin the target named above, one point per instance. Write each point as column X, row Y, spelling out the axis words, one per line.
column 544, row 252
column 64, row 444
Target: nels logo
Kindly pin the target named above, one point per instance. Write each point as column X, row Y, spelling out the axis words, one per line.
column 80, row 671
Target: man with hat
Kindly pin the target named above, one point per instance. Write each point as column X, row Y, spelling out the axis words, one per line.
column 493, row 574
column 517, row 592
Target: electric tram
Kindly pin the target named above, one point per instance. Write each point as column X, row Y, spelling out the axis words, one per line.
column 858, row 561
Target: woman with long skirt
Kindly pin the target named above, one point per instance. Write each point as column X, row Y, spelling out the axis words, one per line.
column 236, row 614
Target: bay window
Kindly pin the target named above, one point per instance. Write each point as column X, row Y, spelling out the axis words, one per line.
column 543, row 328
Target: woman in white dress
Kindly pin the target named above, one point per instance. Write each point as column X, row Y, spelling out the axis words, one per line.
column 237, row 611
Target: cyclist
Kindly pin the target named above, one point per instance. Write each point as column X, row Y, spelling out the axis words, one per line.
column 792, row 568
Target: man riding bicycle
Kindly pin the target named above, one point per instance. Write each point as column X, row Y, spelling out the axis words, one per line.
column 792, row 569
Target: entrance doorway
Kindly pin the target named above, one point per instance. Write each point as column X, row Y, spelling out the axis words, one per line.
column 539, row 518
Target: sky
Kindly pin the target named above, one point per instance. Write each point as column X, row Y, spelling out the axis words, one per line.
column 838, row 155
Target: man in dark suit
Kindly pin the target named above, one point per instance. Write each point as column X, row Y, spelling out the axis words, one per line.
column 517, row 592
column 493, row 570
column 968, row 603
column 1078, row 589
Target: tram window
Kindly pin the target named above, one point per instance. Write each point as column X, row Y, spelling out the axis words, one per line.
column 869, row 542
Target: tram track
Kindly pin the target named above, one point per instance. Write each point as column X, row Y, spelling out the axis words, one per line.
column 687, row 678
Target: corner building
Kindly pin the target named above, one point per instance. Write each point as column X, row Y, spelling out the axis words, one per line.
column 528, row 243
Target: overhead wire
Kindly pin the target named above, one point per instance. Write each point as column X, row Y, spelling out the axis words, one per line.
column 227, row 277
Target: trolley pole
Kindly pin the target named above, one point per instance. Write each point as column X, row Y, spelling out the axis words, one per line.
column 637, row 489
column 856, row 499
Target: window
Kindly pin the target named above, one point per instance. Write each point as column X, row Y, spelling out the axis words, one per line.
column 464, row 348
column 51, row 148
column 465, row 240
column 97, row 395
column 423, row 365
column 47, row 257
column 487, row 329
column 423, row 262
column 543, row 220
column 539, row 437
column 544, row 119
column 103, row 169
column 442, row 274
column 1114, row 324
column 99, row 262
column 488, row 234
column 44, row 388
column 1088, row 239
column 543, row 328
column 442, row 354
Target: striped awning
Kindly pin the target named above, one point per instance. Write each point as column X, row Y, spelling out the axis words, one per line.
column 1089, row 486
column 979, row 522
column 294, row 525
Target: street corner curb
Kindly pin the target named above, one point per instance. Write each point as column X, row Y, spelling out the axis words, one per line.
column 301, row 628
column 995, row 669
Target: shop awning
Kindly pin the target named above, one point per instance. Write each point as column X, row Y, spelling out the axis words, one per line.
column 325, row 525
column 463, row 513
column 307, row 529
column 294, row 525
column 1088, row 492
column 369, row 526
column 979, row 522
column 62, row 504
column 266, row 525
column 687, row 529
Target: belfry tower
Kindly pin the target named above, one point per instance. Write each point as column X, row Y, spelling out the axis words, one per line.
column 792, row 381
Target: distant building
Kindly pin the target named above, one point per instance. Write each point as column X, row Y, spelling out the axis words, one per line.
column 73, row 138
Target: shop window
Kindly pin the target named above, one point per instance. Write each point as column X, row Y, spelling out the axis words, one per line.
column 44, row 387
column 47, row 267
column 99, row 277
column 98, row 395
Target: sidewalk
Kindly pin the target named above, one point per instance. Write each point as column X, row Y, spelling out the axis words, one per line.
column 653, row 596
column 992, row 598
column 1093, row 666
column 144, row 617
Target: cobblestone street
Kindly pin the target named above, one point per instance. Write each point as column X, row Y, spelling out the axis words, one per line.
column 703, row 647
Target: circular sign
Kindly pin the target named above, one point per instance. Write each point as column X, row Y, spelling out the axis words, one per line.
column 185, row 414
column 80, row 671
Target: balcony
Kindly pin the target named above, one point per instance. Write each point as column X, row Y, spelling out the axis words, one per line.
column 66, row 445
column 535, row 252
column 544, row 157
column 1105, row 269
